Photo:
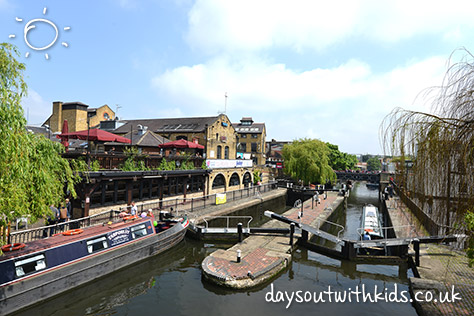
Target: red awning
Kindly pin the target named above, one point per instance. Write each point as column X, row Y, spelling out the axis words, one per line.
column 95, row 135
column 181, row 143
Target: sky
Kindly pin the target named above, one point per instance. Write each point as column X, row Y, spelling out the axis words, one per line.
column 331, row 70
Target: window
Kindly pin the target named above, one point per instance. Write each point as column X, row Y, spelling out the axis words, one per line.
column 226, row 152
column 254, row 135
column 254, row 147
column 97, row 244
column 219, row 152
column 181, row 137
column 138, row 231
column 219, row 182
column 29, row 265
column 234, row 180
column 243, row 147
column 243, row 135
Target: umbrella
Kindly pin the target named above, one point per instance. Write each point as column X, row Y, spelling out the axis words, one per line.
column 95, row 135
column 181, row 143
column 65, row 130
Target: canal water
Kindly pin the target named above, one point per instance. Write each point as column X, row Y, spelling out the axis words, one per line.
column 171, row 284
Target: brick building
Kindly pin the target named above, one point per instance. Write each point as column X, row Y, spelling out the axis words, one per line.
column 215, row 133
column 77, row 114
column 251, row 140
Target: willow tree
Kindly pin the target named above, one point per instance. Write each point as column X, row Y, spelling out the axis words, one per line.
column 307, row 160
column 440, row 145
column 33, row 175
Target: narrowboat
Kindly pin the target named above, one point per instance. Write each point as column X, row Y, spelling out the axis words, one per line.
column 371, row 223
column 35, row 271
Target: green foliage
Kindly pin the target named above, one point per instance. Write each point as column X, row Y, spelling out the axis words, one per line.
column 307, row 160
column 95, row 165
column 374, row 164
column 167, row 165
column 33, row 175
column 203, row 165
column 134, row 161
column 187, row 165
column 339, row 160
column 256, row 176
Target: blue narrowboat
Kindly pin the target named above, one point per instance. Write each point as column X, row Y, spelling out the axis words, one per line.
column 41, row 269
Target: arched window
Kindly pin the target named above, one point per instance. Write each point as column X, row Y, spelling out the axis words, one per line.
column 234, row 180
column 219, row 152
column 226, row 152
column 219, row 182
column 247, row 179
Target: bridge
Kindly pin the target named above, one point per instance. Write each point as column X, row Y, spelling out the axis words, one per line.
column 359, row 176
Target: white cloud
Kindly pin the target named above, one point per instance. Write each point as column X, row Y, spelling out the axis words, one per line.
column 325, row 103
column 247, row 25
column 36, row 109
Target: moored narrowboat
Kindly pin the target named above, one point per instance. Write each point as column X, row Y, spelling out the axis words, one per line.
column 41, row 269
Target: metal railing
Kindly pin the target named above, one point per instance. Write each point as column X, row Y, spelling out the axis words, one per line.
column 23, row 236
column 228, row 226
column 320, row 221
column 188, row 205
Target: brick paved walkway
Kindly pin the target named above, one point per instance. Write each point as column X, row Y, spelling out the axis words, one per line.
column 262, row 255
column 440, row 268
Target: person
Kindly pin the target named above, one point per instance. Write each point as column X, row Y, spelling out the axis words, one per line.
column 62, row 213
column 69, row 209
column 51, row 220
column 133, row 209
column 390, row 190
column 366, row 236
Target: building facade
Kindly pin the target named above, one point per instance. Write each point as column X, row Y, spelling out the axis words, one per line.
column 78, row 115
column 215, row 133
column 251, row 140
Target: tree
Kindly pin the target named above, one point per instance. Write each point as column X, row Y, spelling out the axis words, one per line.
column 307, row 160
column 33, row 175
column 374, row 164
column 339, row 160
column 440, row 145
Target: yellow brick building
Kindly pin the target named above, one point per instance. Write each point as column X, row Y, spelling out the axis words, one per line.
column 251, row 140
column 76, row 114
column 215, row 133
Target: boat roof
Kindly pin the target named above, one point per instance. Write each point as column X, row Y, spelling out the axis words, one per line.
column 60, row 239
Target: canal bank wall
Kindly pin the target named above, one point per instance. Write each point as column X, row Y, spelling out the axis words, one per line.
column 262, row 257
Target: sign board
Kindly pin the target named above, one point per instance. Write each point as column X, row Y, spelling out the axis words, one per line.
column 119, row 237
column 228, row 163
column 221, row 198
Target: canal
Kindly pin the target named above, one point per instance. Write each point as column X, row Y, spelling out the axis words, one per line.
column 171, row 284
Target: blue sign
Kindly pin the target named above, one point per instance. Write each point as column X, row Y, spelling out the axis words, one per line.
column 119, row 237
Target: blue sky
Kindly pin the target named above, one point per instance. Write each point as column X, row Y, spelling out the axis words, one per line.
column 330, row 70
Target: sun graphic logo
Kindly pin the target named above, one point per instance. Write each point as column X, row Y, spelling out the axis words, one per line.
column 30, row 25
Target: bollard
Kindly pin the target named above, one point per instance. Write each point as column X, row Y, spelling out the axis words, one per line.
column 292, row 233
column 239, row 231
column 416, row 245
column 304, row 236
column 239, row 253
